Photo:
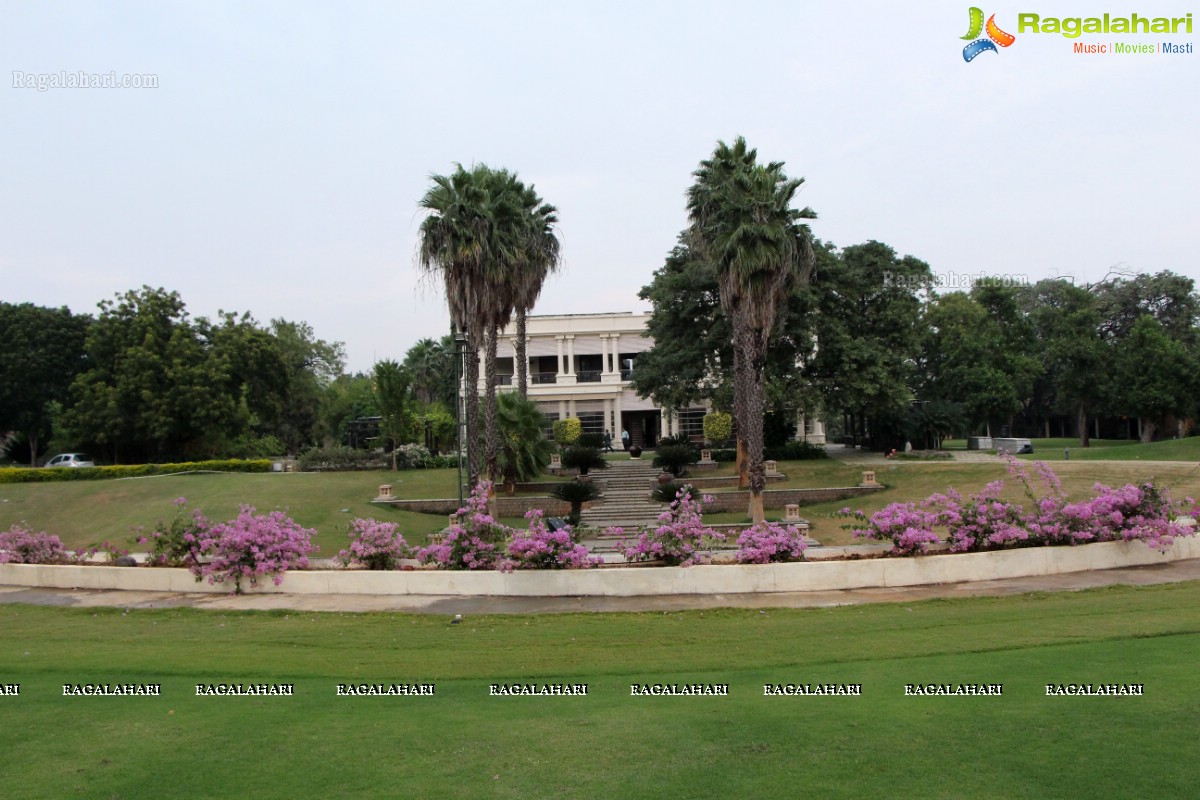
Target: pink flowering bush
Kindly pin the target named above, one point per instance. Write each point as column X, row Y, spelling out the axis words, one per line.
column 678, row 539
column 251, row 546
column 376, row 545
column 20, row 545
column 908, row 526
column 541, row 548
column 474, row 542
column 986, row 522
column 770, row 542
column 176, row 544
column 982, row 522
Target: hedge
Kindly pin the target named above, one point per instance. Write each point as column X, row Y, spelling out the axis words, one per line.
column 792, row 451
column 31, row 475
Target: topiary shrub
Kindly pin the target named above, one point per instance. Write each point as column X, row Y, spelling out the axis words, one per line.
column 718, row 427
column 576, row 493
column 583, row 459
column 567, row 431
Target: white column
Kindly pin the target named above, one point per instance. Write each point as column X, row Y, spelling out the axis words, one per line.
column 608, row 426
column 615, row 346
column 603, row 354
column 570, row 354
column 664, row 423
column 562, row 409
column 571, row 407
column 559, row 342
column 617, row 428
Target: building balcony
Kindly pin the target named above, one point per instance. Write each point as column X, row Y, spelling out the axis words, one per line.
column 539, row 378
column 588, row 376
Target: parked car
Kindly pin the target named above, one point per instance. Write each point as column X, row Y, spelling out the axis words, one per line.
column 71, row 460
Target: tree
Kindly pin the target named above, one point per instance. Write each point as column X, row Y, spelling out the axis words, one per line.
column 148, row 390
column 42, row 351
column 1066, row 319
column 458, row 240
column 869, row 336
column 430, row 367
column 396, row 422
column 312, row 366
column 1153, row 376
column 742, row 222
column 525, row 451
column 539, row 257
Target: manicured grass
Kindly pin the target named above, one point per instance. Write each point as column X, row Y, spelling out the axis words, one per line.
column 1187, row 449
column 82, row 513
column 461, row 743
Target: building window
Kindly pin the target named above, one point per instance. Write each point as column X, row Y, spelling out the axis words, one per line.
column 593, row 421
column 691, row 424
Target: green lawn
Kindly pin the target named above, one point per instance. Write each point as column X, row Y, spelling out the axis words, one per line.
column 461, row 743
column 87, row 512
column 1187, row 449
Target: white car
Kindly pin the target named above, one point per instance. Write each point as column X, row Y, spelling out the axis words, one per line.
column 71, row 460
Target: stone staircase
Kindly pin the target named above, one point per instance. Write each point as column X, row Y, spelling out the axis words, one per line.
column 625, row 497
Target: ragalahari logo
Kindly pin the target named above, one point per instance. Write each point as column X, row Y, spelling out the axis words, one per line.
column 995, row 36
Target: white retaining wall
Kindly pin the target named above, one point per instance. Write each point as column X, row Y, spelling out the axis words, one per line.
column 634, row 581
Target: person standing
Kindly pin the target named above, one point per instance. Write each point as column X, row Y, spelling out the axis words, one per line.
column 625, row 439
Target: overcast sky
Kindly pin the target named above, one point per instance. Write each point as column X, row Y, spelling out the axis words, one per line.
column 277, row 167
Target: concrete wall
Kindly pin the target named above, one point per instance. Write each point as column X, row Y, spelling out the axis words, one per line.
column 505, row 506
column 778, row 498
column 634, row 581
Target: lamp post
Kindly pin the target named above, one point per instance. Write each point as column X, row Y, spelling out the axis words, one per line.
column 460, row 349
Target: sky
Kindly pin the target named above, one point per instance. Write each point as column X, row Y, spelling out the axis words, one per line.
column 277, row 166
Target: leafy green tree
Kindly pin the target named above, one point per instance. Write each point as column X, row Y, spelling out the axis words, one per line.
column 41, row 352
column 1067, row 322
column 396, row 421
column 869, row 335
column 1153, row 376
column 148, row 390
column 430, row 367
column 312, row 366
column 742, row 222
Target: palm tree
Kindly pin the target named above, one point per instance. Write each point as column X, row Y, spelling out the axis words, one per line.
column 456, row 240
column 484, row 229
column 541, row 258
column 742, row 222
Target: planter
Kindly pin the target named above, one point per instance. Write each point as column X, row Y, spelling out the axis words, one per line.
column 635, row 452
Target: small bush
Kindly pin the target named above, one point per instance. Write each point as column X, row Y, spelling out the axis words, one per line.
column 576, row 493
column 177, row 544
column 770, row 542
column 675, row 458
column 567, row 431
column 718, row 427
column 677, row 540
column 251, row 546
column 474, row 542
column 668, row 492
column 541, row 548
column 375, row 545
column 591, row 440
column 583, row 459
column 20, row 545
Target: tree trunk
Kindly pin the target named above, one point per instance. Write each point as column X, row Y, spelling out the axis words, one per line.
column 471, row 389
column 1148, row 428
column 522, row 358
column 491, row 430
column 750, row 351
column 743, row 466
column 33, row 446
column 740, row 379
column 1083, row 427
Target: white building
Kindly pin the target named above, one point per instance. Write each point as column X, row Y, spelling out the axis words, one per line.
column 580, row 365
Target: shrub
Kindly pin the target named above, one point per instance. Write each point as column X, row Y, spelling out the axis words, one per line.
column 177, row 544
column 20, row 545
column 718, row 427
column 770, row 542
column 375, row 545
column 412, row 456
column 675, row 458
column 793, row 451
column 576, row 493
column 251, row 546
column 678, row 539
column 29, row 475
column 667, row 492
column 474, row 542
column 541, row 548
column 906, row 525
column 567, row 431
column 341, row 458
column 583, row 459
column 982, row 522
column 591, row 440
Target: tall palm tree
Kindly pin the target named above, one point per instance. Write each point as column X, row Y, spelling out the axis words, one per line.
column 541, row 257
column 741, row 221
column 456, row 240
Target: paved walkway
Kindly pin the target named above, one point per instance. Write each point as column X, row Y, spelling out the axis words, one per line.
column 1172, row 572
